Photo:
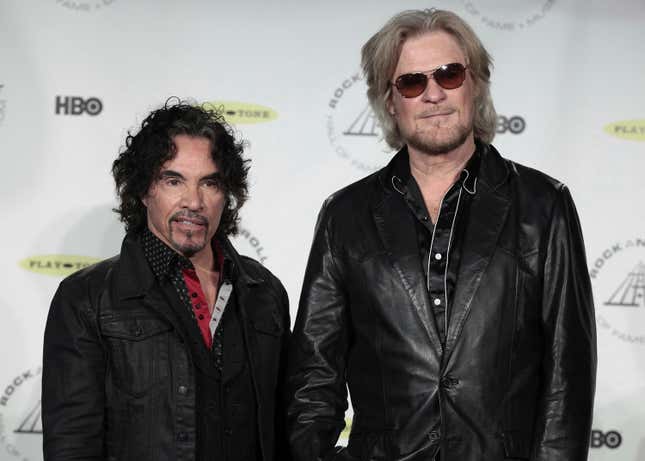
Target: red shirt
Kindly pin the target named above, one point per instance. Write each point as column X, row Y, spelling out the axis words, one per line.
column 197, row 298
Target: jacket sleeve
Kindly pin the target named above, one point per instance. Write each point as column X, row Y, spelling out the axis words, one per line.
column 565, row 408
column 282, row 452
column 317, row 353
column 73, row 379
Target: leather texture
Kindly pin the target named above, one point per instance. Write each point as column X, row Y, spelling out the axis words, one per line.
column 118, row 379
column 516, row 377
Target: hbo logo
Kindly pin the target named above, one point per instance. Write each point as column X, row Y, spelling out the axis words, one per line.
column 75, row 105
column 515, row 124
column 611, row 439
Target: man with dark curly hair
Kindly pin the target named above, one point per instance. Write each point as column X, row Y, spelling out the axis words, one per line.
column 174, row 349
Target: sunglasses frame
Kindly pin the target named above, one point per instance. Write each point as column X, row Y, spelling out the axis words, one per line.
column 428, row 74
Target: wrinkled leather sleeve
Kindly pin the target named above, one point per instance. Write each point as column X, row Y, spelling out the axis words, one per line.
column 317, row 352
column 564, row 417
column 73, row 379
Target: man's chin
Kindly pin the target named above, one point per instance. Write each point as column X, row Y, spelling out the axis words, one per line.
column 190, row 248
column 438, row 145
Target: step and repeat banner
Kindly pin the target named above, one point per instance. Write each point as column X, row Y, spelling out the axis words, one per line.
column 75, row 76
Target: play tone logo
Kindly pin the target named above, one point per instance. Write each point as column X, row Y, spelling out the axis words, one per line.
column 238, row 113
column 633, row 130
column 57, row 265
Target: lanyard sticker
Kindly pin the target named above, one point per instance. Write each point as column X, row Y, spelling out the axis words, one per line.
column 222, row 300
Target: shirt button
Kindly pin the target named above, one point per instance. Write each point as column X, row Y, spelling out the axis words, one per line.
column 434, row 436
column 182, row 437
column 437, row 301
column 194, row 295
column 201, row 317
column 425, row 218
column 183, row 390
column 438, row 256
column 198, row 306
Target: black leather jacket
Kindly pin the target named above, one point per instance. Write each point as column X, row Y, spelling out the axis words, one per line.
column 516, row 378
column 118, row 382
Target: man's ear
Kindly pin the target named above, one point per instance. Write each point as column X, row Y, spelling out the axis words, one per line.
column 390, row 106
column 144, row 200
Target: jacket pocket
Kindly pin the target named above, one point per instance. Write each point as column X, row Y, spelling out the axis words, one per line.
column 266, row 335
column 138, row 352
column 268, row 325
column 516, row 445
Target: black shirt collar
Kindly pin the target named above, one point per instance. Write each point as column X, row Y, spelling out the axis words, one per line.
column 468, row 178
column 162, row 259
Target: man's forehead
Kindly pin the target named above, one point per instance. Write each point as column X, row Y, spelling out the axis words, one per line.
column 431, row 47
column 190, row 155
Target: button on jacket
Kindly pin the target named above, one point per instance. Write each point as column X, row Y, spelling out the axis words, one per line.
column 119, row 378
column 516, row 377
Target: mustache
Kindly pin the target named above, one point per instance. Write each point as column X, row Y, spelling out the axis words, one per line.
column 189, row 215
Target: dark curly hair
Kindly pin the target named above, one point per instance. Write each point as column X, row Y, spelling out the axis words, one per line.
column 140, row 161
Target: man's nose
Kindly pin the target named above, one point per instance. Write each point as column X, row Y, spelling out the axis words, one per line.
column 433, row 92
column 192, row 198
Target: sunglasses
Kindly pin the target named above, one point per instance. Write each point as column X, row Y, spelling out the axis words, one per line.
column 448, row 77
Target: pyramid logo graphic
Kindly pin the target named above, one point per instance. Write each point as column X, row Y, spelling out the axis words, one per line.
column 32, row 423
column 365, row 124
column 631, row 292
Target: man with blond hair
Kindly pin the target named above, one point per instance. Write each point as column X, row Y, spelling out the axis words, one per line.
column 449, row 290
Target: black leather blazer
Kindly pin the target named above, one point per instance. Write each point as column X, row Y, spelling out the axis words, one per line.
column 516, row 377
column 118, row 381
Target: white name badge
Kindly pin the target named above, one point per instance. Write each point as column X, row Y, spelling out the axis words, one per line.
column 220, row 304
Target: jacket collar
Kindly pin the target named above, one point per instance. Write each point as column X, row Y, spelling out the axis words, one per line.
column 239, row 269
column 136, row 278
column 401, row 175
column 135, row 275
column 490, row 168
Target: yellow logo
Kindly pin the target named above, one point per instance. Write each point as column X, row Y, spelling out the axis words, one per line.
column 633, row 130
column 237, row 113
column 57, row 265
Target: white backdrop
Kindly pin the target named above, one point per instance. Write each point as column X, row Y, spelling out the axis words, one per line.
column 568, row 80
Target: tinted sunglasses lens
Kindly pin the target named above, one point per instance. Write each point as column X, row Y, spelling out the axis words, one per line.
column 450, row 76
column 411, row 85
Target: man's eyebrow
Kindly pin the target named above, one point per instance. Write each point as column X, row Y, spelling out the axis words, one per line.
column 215, row 175
column 170, row 174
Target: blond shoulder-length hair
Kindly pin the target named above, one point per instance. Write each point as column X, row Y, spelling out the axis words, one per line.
column 380, row 56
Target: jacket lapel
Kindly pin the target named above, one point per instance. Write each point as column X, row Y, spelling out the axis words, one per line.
column 487, row 215
column 396, row 229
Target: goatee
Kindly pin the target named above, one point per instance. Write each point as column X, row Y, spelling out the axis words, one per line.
column 437, row 147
